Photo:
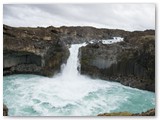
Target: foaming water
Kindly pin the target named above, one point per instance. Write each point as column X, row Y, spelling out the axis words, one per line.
column 71, row 94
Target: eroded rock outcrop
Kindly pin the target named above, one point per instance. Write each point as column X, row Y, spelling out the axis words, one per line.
column 150, row 112
column 131, row 63
column 32, row 50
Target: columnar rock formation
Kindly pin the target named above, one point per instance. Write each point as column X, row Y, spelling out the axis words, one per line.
column 131, row 62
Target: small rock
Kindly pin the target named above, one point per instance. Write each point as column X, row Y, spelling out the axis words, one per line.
column 5, row 110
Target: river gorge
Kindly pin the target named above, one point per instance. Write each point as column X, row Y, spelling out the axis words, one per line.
column 71, row 94
column 72, row 71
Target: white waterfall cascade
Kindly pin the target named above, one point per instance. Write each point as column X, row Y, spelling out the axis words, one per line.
column 70, row 70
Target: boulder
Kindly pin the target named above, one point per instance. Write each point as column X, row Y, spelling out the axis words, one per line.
column 5, row 110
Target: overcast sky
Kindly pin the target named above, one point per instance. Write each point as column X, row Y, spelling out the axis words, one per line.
column 116, row 16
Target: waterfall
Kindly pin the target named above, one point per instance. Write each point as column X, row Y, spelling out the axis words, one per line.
column 70, row 70
column 71, row 94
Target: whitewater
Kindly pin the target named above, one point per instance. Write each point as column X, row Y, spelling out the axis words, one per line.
column 71, row 94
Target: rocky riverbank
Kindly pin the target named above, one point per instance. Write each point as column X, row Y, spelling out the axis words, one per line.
column 131, row 62
column 150, row 112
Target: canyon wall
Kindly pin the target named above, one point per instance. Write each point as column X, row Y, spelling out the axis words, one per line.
column 32, row 50
column 43, row 50
column 131, row 62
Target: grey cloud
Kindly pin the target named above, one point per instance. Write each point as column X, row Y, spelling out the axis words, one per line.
column 116, row 16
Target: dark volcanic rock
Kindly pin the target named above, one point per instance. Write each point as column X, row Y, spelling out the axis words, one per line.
column 42, row 50
column 83, row 34
column 32, row 50
column 5, row 110
column 150, row 112
column 131, row 63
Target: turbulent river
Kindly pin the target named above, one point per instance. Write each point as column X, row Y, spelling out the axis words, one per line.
column 71, row 94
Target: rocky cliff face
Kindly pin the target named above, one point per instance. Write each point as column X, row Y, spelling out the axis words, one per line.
column 32, row 50
column 85, row 34
column 42, row 50
column 131, row 63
